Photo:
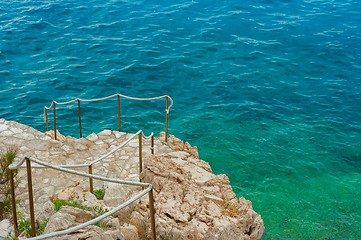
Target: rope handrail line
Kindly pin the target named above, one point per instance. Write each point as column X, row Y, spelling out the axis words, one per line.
column 101, row 217
column 16, row 165
column 93, row 176
column 79, row 100
column 111, row 96
column 115, row 149
column 97, row 219
column 147, row 137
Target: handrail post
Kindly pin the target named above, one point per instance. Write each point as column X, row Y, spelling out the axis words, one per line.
column 79, row 117
column 13, row 201
column 152, row 145
column 55, row 137
column 91, row 179
column 140, row 153
column 46, row 119
column 119, row 122
column 31, row 197
column 152, row 213
column 166, row 118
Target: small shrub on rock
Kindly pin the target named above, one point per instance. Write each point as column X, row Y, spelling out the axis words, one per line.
column 5, row 191
column 99, row 194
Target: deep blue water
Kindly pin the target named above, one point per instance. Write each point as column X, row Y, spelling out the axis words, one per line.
column 270, row 91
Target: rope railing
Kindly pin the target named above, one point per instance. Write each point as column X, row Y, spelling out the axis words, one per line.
column 54, row 103
column 140, row 135
column 148, row 189
column 91, row 176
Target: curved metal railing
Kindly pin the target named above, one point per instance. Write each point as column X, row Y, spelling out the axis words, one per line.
column 66, row 168
column 119, row 96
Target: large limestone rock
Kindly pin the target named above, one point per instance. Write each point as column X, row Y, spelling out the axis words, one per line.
column 68, row 217
column 5, row 229
column 193, row 203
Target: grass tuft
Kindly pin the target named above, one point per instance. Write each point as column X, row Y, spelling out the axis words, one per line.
column 25, row 225
column 5, row 190
column 58, row 203
column 99, row 194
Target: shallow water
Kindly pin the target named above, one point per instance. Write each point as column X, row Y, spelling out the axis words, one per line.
column 268, row 90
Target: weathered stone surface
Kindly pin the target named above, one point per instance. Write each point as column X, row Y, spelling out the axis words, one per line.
column 59, row 136
column 67, row 217
column 46, row 212
column 129, row 232
column 6, row 133
column 178, row 145
column 76, row 192
column 5, row 228
column 92, row 137
column 111, row 223
column 118, row 134
column 105, row 133
column 190, row 201
column 59, row 221
column 205, row 203
column 90, row 200
column 3, row 127
column 93, row 233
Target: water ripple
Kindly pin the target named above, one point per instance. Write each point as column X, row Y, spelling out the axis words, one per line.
column 268, row 90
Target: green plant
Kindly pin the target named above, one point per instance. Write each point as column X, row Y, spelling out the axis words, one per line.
column 25, row 225
column 11, row 236
column 58, row 203
column 99, row 209
column 5, row 190
column 164, row 237
column 41, row 227
column 99, row 194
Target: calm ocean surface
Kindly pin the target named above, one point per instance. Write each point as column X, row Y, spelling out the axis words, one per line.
column 270, row 91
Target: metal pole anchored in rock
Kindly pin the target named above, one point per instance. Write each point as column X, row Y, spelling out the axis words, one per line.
column 31, row 198
column 119, row 122
column 79, row 117
column 55, row 121
column 152, row 145
column 166, row 118
column 152, row 213
column 46, row 119
column 140, row 153
column 91, row 179
column 13, row 201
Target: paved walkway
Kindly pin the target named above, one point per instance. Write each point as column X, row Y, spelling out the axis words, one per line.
column 123, row 164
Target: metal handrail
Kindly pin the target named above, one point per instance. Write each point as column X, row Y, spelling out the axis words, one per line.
column 119, row 96
column 149, row 190
column 140, row 134
column 65, row 168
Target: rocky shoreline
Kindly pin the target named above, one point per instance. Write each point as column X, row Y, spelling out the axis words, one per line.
column 190, row 201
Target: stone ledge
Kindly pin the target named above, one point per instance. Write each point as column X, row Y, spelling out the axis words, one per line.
column 191, row 202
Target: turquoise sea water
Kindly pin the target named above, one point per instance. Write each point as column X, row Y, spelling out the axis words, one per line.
column 270, row 91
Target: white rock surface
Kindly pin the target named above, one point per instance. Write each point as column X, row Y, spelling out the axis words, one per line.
column 191, row 202
column 5, row 228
